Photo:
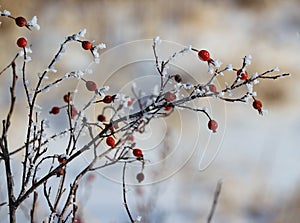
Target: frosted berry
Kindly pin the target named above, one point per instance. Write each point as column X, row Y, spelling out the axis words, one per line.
column 87, row 45
column 140, row 177
column 110, row 141
column 20, row 21
column 204, row 55
column 91, row 85
column 55, row 110
column 212, row 125
column 242, row 75
column 101, row 118
column 22, row 42
column 67, row 98
column 108, row 99
column 137, row 152
column 212, row 88
column 62, row 159
column 169, row 96
column 257, row 104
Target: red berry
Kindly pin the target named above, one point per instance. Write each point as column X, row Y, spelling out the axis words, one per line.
column 140, row 177
column 258, row 106
column 212, row 125
column 137, row 152
column 74, row 112
column 110, row 141
column 168, row 108
column 101, row 118
column 212, row 88
column 20, row 21
column 55, row 110
column 108, row 99
column 169, row 96
column 22, row 42
column 67, row 98
column 242, row 75
column 91, row 85
column 204, row 55
column 87, row 45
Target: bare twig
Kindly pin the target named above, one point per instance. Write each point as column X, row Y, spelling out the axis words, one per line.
column 215, row 201
column 124, row 195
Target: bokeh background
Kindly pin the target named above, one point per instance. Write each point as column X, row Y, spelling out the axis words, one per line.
column 259, row 162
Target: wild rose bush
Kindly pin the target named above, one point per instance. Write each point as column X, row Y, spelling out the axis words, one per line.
column 108, row 137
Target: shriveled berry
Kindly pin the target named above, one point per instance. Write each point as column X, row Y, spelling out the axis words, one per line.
column 62, row 159
column 108, row 99
column 204, row 55
column 257, row 104
column 91, row 85
column 177, row 78
column 20, row 21
column 212, row 125
column 137, row 152
column 169, row 96
column 55, row 110
column 67, row 98
column 101, row 118
column 110, row 141
column 243, row 75
column 60, row 172
column 22, row 42
column 140, row 177
column 87, row 45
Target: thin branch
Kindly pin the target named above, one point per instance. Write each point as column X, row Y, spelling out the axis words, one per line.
column 215, row 201
column 124, row 195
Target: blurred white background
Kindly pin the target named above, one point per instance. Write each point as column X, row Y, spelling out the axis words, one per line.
column 259, row 161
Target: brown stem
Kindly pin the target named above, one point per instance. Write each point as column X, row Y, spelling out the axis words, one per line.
column 124, row 195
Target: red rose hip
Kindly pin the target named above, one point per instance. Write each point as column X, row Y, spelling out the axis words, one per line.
column 87, row 45
column 137, row 152
column 243, row 75
column 101, row 118
column 212, row 125
column 91, row 85
column 22, row 42
column 20, row 21
column 110, row 141
column 55, row 110
column 204, row 55
column 257, row 104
